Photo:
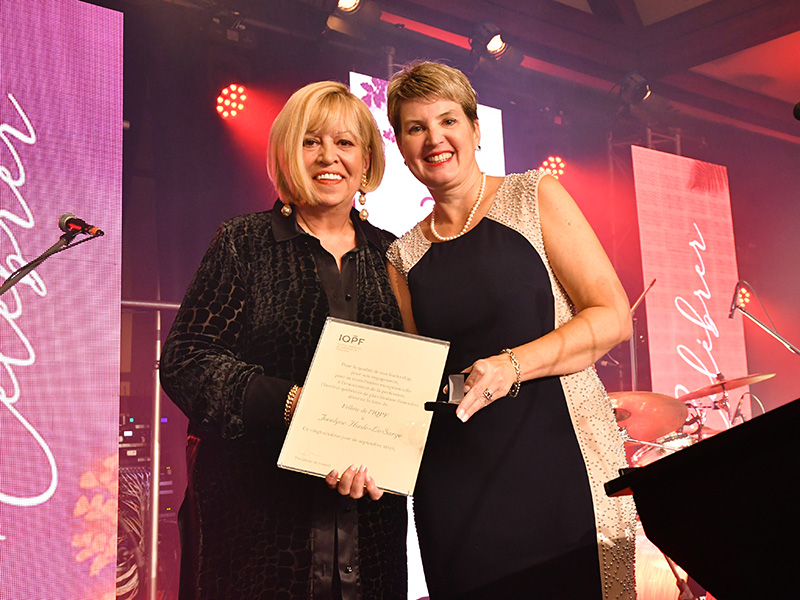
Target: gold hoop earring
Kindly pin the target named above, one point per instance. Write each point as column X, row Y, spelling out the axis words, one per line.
column 362, row 198
column 286, row 210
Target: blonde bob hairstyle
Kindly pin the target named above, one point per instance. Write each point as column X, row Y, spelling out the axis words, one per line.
column 314, row 108
column 430, row 81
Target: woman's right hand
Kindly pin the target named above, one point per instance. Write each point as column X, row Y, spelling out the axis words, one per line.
column 488, row 379
column 354, row 482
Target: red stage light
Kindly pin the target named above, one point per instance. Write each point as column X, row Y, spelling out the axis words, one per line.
column 554, row 165
column 231, row 101
column 742, row 297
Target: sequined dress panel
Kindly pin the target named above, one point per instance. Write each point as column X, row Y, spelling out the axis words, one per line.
column 511, row 504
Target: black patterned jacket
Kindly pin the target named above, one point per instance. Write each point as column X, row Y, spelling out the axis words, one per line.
column 245, row 333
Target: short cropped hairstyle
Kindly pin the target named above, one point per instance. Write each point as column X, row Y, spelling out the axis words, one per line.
column 315, row 107
column 430, row 81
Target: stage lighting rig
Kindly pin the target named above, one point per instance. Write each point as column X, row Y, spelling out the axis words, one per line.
column 638, row 103
column 242, row 21
column 229, row 26
column 634, row 89
column 553, row 165
column 231, row 101
column 491, row 51
column 356, row 19
column 349, row 7
column 487, row 40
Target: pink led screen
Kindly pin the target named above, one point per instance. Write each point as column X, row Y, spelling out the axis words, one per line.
column 687, row 244
column 60, row 151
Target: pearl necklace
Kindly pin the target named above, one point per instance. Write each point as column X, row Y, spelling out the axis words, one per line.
column 447, row 238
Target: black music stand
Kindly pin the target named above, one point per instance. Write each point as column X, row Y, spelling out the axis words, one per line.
column 727, row 509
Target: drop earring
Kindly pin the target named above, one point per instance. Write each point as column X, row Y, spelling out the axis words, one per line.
column 363, row 214
column 286, row 210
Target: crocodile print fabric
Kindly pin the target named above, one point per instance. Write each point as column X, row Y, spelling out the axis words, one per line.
column 245, row 333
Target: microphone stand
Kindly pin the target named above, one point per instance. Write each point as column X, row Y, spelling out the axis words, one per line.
column 788, row 345
column 632, row 341
column 62, row 244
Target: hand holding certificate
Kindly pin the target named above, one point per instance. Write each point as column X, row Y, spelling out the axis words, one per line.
column 363, row 403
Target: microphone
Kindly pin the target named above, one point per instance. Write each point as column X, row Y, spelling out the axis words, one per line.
column 797, row 111
column 733, row 302
column 69, row 223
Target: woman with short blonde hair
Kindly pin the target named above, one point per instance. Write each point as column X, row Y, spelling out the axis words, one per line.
column 428, row 81
column 240, row 349
column 314, row 108
column 509, row 502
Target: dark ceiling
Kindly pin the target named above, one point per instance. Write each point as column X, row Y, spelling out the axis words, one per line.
column 733, row 61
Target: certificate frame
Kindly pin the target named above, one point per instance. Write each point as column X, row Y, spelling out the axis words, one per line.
column 363, row 403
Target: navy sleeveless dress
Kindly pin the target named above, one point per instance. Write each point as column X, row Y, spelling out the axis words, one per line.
column 503, row 503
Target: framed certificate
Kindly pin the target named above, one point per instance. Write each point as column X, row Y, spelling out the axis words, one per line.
column 363, row 403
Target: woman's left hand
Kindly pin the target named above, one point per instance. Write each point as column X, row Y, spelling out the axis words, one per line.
column 489, row 379
column 354, row 482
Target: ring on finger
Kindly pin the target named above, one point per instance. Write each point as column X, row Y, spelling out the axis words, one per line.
column 487, row 395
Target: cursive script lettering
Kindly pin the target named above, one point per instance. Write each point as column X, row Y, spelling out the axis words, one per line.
column 334, row 420
column 698, row 315
column 17, row 350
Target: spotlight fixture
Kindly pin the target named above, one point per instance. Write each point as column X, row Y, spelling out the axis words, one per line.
column 634, row 89
column 487, row 40
column 355, row 18
column 349, row 6
column 229, row 27
column 553, row 165
column 231, row 101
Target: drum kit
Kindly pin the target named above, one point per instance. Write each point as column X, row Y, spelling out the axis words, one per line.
column 660, row 424
column 657, row 425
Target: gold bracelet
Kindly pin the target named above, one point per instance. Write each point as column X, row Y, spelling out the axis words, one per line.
column 287, row 409
column 516, row 385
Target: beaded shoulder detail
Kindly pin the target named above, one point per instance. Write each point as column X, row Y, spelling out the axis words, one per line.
column 515, row 204
column 406, row 251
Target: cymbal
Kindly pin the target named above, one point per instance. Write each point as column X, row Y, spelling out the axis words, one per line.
column 647, row 416
column 725, row 384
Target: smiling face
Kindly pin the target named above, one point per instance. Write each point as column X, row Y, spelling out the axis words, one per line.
column 438, row 142
column 324, row 115
column 335, row 161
